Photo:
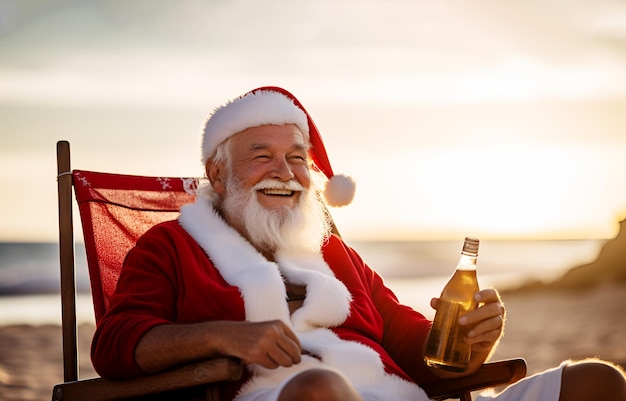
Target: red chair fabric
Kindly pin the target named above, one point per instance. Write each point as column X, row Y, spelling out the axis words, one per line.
column 115, row 211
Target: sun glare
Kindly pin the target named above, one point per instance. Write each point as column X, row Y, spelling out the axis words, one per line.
column 505, row 190
column 496, row 189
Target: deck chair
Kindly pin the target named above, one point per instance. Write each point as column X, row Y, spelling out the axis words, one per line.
column 115, row 210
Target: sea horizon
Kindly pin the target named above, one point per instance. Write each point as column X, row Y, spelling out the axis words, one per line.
column 415, row 270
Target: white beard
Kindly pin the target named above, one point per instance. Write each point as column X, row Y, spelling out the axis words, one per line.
column 302, row 228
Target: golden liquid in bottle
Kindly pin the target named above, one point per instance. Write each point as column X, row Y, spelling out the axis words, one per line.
column 445, row 348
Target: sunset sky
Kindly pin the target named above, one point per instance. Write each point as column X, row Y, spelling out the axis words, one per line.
column 492, row 118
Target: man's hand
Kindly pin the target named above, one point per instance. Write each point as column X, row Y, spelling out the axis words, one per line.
column 486, row 325
column 486, row 322
column 269, row 344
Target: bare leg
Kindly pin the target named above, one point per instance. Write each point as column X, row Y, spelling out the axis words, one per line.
column 592, row 380
column 319, row 385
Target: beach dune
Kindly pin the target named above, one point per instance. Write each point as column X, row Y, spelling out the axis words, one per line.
column 578, row 315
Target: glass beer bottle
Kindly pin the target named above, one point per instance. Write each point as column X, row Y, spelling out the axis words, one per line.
column 445, row 348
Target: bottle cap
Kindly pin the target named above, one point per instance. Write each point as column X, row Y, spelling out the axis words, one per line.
column 471, row 245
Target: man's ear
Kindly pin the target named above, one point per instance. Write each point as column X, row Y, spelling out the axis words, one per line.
column 216, row 175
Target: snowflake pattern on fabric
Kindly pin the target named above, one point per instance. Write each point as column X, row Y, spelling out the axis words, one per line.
column 83, row 180
column 165, row 183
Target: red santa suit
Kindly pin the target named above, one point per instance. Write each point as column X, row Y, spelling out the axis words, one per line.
column 198, row 268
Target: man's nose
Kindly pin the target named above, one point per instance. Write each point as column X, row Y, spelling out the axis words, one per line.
column 282, row 170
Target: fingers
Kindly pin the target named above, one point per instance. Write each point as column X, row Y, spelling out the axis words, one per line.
column 487, row 331
column 482, row 313
column 434, row 303
column 487, row 321
column 269, row 344
column 487, row 295
column 274, row 345
column 278, row 356
column 482, row 297
column 490, row 306
column 284, row 350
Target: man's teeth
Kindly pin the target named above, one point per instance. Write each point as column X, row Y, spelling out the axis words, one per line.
column 282, row 192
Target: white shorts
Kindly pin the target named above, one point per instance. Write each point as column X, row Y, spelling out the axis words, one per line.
column 544, row 386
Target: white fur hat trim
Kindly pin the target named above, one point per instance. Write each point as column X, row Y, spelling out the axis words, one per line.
column 254, row 109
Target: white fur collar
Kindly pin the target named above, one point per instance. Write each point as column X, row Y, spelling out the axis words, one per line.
column 260, row 281
column 327, row 304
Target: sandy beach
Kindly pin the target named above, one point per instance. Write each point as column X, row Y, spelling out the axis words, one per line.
column 543, row 326
column 31, row 360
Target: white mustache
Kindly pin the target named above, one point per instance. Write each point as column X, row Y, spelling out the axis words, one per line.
column 276, row 184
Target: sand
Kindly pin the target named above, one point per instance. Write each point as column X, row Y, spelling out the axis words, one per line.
column 544, row 327
column 31, row 360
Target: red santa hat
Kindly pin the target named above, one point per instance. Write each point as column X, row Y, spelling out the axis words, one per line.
column 276, row 106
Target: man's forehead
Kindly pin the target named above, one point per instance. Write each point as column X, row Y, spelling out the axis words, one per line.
column 296, row 144
column 271, row 136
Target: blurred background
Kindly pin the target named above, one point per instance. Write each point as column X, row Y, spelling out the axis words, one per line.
column 497, row 119
column 503, row 119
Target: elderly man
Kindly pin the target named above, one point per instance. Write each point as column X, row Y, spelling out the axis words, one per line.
column 251, row 270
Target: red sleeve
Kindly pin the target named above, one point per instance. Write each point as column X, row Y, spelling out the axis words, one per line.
column 405, row 333
column 405, row 330
column 145, row 297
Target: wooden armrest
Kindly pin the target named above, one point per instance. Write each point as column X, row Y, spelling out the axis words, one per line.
column 489, row 375
column 192, row 375
column 228, row 369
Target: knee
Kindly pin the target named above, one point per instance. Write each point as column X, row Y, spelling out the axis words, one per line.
column 592, row 380
column 319, row 385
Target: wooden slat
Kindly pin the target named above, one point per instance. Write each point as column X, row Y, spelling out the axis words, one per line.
column 66, row 254
column 489, row 375
column 192, row 375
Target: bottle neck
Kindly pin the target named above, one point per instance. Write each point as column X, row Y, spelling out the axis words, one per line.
column 467, row 261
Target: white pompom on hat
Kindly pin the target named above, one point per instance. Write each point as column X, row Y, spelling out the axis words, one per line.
column 272, row 105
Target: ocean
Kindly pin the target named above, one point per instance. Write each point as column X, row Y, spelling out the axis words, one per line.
column 415, row 270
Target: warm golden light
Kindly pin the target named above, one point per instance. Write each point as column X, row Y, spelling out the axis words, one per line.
column 530, row 105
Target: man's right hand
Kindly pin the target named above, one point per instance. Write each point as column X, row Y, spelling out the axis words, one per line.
column 269, row 344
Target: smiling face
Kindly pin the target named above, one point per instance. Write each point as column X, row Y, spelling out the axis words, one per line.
column 272, row 159
column 264, row 186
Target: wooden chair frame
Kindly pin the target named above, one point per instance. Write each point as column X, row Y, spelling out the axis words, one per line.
column 200, row 378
